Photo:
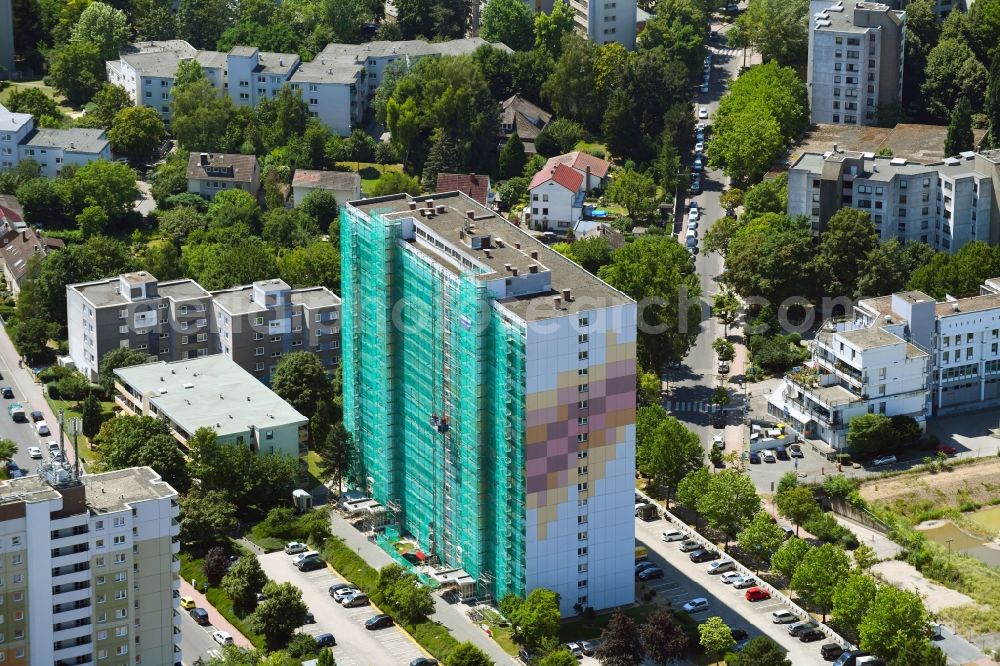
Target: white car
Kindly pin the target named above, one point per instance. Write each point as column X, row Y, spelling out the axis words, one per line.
column 784, row 617
column 700, row 127
column 721, row 566
column 53, row 445
column 730, row 577
column 301, row 557
column 767, row 455
column 294, row 547
column 673, row 535
column 693, row 215
column 884, row 460
column 717, row 442
column 703, row 112
column 222, row 637
column 699, row 147
column 42, row 428
column 743, row 582
column 34, row 452
column 692, row 225
column 696, row 605
column 344, row 593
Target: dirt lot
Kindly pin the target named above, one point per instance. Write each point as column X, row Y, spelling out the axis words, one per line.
column 976, row 482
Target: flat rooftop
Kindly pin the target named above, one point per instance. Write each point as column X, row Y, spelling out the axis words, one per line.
column 915, row 142
column 210, row 392
column 114, row 491
column 239, row 300
column 588, row 291
column 870, row 337
column 182, row 290
column 315, row 297
column 76, row 140
column 967, row 305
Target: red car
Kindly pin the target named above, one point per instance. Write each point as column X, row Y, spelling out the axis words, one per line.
column 949, row 450
column 757, row 594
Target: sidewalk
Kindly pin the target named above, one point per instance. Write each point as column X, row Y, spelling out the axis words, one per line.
column 214, row 616
column 31, row 389
column 452, row 617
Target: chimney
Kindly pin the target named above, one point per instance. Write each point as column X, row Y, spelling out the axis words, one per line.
column 429, row 204
column 513, row 271
column 588, row 178
column 204, row 159
column 440, row 208
column 281, row 63
column 24, row 235
column 567, row 295
column 413, row 205
column 471, row 214
column 533, row 268
column 835, row 148
column 489, row 255
column 506, row 267
column 534, row 254
column 517, row 246
column 556, row 303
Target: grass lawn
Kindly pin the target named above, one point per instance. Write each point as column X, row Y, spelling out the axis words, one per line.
column 582, row 630
column 591, row 146
column 363, row 166
column 86, row 453
column 191, row 569
column 504, row 636
column 270, row 544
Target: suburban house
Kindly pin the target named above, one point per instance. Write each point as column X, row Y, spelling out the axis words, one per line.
column 210, row 173
column 338, row 84
column 345, row 185
column 19, row 243
column 905, row 353
column 178, row 319
column 216, row 393
column 557, row 196
column 593, row 169
column 476, row 187
column 521, row 116
column 51, row 148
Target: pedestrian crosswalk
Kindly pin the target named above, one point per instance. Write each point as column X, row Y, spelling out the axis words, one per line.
column 699, row 406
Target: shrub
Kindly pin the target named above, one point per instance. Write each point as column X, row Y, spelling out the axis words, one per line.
column 301, row 645
column 825, row 528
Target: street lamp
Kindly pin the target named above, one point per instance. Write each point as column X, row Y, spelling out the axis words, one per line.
column 949, row 549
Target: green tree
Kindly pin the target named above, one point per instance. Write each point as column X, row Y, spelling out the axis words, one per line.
column 920, row 651
column 692, row 487
column 788, row 558
column 635, row 191
column 777, row 29
column 103, row 26
column 724, row 349
column 535, row 619
column 760, row 651
column 657, row 270
column 32, row 100
column 508, row 21
column 761, row 538
column 818, row 575
column 560, row 657
column 729, row 503
column 323, row 209
column 726, row 306
column 958, row 274
column 662, row 637
column 552, row 27
column 203, row 21
column 95, row 258
column 720, row 234
column 31, row 337
column 759, row 256
column 959, row 138
column 715, row 636
column 953, row 72
column 843, row 247
column 401, row 591
column 731, row 199
column 393, row 182
column 746, row 144
column 243, row 262
column 206, row 518
column 316, row 264
column 214, row 565
column 467, row 654
column 869, row 433
column 668, row 454
column 110, row 185
column 512, row 158
column 7, row 448
column 242, row 583
column 591, row 253
column 569, row 89
column 136, row 133
column 865, row 557
column 797, row 505
column 678, row 27
column 200, row 114
column 991, row 105
column 76, row 70
column 852, row 598
column 559, row 136
column 301, row 380
column 139, row 441
column 337, row 453
column 236, row 210
column 768, row 196
column 105, row 105
column 123, row 357
column 326, row 658
column 894, row 618
column 887, row 268
column 279, row 615
column 622, row 644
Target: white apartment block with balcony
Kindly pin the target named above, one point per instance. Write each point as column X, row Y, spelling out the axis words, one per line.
column 946, row 204
column 600, row 21
column 857, row 367
column 90, row 568
column 855, row 60
column 15, row 128
column 254, row 76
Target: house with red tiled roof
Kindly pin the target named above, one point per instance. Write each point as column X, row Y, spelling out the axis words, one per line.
column 557, row 192
column 476, row 186
column 593, row 169
column 18, row 243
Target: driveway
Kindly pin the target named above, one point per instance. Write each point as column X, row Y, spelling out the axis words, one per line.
column 144, row 203
column 356, row 646
column 685, row 580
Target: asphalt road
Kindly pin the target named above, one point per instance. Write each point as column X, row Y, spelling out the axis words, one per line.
column 196, row 640
column 23, row 434
column 356, row 646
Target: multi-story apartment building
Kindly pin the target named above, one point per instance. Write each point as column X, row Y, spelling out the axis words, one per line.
column 338, row 84
column 258, row 323
column 490, row 385
column 855, row 60
column 900, row 354
column 179, row 320
column 51, row 148
column 213, row 392
column 90, row 568
column 6, row 39
column 946, row 204
column 601, row 22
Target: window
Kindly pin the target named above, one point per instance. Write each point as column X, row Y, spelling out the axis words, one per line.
column 259, row 321
column 99, row 543
column 259, row 351
column 16, row 559
column 581, row 520
column 583, row 388
column 582, row 339
column 119, row 539
column 582, row 356
column 121, row 649
column 582, row 404
column 259, row 367
column 968, row 353
column 120, row 558
column 581, row 551
column 582, row 371
column 583, row 321
column 120, row 594
column 121, row 631
column 581, row 536
column 582, row 437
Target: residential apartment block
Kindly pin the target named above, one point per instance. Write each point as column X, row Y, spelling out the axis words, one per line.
column 179, row 319
column 90, row 568
column 256, row 324
column 946, row 204
column 601, row 22
column 6, row 39
column 901, row 354
column 51, row 148
column 213, row 392
column 855, row 60
column 490, row 385
column 338, row 84
column 211, row 173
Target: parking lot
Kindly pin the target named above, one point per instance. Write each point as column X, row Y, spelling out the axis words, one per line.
column 356, row 646
column 685, row 580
